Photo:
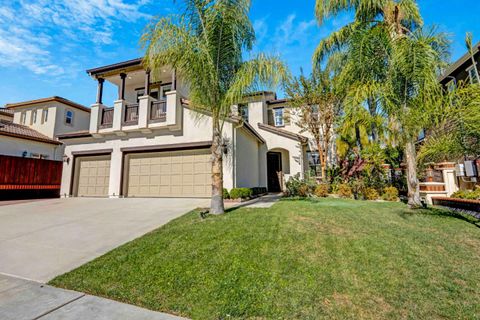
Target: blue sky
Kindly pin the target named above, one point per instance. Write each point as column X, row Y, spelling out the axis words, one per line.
column 46, row 45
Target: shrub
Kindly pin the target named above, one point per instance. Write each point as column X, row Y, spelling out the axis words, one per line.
column 390, row 194
column 321, row 190
column 467, row 194
column 297, row 187
column 259, row 190
column 370, row 194
column 226, row 195
column 240, row 193
column 344, row 190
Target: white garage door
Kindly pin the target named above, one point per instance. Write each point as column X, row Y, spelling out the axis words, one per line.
column 169, row 174
column 93, row 175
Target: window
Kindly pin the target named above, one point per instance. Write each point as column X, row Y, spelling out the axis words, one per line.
column 314, row 163
column 243, row 111
column 153, row 93
column 69, row 117
column 278, row 117
column 23, row 117
column 163, row 91
column 472, row 73
column 45, row 115
column 34, row 116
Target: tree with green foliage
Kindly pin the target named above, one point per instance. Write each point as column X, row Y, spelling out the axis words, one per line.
column 391, row 62
column 316, row 107
column 206, row 45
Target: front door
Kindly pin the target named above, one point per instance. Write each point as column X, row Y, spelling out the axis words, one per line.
column 274, row 167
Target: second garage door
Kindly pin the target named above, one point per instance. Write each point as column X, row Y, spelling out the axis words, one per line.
column 169, row 174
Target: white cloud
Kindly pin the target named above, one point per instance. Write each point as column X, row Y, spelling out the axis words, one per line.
column 31, row 32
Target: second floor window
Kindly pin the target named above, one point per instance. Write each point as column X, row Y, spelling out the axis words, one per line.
column 23, row 117
column 472, row 73
column 69, row 117
column 45, row 115
column 34, row 116
column 278, row 117
column 243, row 112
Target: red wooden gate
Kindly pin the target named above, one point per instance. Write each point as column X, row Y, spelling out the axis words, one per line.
column 27, row 177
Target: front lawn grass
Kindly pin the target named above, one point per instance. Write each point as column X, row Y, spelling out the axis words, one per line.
column 331, row 258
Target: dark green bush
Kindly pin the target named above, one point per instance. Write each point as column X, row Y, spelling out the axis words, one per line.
column 226, row 195
column 240, row 193
column 297, row 187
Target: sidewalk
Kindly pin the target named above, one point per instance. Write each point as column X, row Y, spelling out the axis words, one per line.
column 28, row 300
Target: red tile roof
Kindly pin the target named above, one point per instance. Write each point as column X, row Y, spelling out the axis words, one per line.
column 11, row 129
column 6, row 112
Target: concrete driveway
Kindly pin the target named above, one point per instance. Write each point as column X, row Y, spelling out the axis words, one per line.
column 42, row 239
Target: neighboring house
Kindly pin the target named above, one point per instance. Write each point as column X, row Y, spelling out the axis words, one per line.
column 29, row 129
column 462, row 69
column 152, row 143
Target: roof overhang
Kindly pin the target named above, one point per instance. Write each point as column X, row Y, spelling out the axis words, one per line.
column 45, row 100
column 460, row 62
column 128, row 65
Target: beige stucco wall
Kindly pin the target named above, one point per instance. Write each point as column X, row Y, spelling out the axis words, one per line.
column 12, row 146
column 55, row 123
column 195, row 128
column 247, row 162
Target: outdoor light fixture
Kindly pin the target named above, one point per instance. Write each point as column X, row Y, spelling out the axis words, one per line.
column 66, row 159
column 24, row 153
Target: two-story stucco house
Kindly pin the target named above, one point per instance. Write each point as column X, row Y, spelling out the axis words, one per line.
column 29, row 128
column 152, row 143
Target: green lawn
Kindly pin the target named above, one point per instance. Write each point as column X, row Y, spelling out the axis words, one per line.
column 334, row 259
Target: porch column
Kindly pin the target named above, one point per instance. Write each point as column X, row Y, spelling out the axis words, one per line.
column 100, row 90
column 121, row 92
column 174, row 80
column 147, row 83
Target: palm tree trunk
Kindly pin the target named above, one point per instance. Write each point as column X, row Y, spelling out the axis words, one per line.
column 372, row 108
column 216, row 205
column 323, row 160
column 358, row 138
column 414, row 201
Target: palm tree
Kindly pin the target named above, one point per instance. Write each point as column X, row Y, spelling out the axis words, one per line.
column 401, row 80
column 393, row 17
column 469, row 44
column 205, row 45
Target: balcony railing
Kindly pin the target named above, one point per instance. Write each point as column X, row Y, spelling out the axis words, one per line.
column 158, row 111
column 131, row 114
column 107, row 118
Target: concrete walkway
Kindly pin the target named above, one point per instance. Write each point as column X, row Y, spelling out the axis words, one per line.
column 265, row 201
column 43, row 239
column 27, row 300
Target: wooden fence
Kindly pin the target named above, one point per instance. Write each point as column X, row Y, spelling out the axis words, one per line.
column 29, row 178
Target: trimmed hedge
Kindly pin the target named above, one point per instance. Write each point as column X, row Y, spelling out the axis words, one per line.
column 241, row 193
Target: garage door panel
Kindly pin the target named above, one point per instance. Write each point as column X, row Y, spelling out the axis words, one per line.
column 93, row 176
column 170, row 174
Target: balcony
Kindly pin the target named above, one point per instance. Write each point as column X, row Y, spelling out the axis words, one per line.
column 158, row 111
column 146, row 115
column 131, row 114
column 106, row 120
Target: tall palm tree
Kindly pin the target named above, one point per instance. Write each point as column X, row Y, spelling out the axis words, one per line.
column 392, row 16
column 401, row 80
column 205, row 45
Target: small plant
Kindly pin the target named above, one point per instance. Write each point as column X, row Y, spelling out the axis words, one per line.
column 226, row 195
column 321, row 190
column 370, row 194
column 390, row 194
column 467, row 194
column 297, row 187
column 344, row 190
column 240, row 193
